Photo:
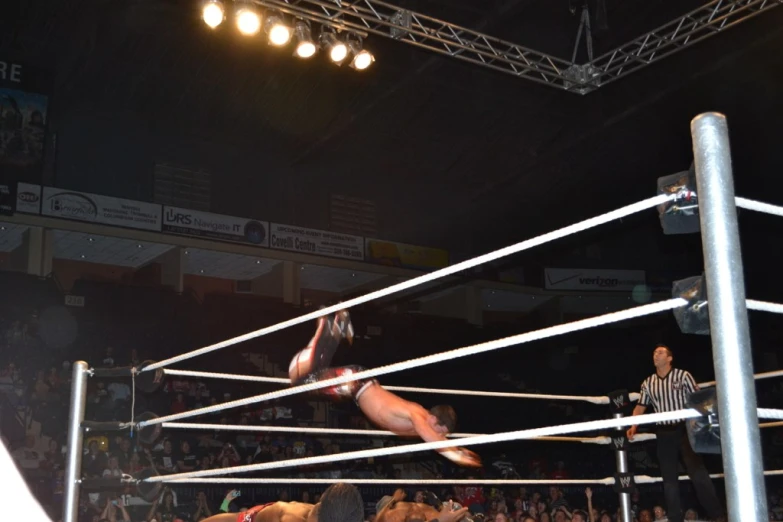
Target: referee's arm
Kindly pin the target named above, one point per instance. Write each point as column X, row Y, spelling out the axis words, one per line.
column 641, row 407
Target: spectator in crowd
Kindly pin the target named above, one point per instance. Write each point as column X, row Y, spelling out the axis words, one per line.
column 163, row 509
column 113, row 470
column 202, row 507
column 95, row 461
column 166, row 461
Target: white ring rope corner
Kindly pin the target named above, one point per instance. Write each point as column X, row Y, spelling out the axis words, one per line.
column 366, row 433
column 758, row 206
column 608, row 481
column 472, row 393
column 564, row 429
column 426, row 278
column 764, row 306
column 544, row 333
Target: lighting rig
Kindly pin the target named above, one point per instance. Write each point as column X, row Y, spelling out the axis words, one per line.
column 280, row 30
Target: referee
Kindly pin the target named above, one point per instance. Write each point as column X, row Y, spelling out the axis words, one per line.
column 666, row 390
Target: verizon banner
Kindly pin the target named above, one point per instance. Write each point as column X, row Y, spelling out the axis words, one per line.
column 319, row 242
column 593, row 280
column 215, row 226
column 104, row 210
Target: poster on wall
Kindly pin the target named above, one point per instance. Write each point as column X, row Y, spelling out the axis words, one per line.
column 23, row 111
column 402, row 255
column 318, row 242
column 104, row 210
column 215, row 226
column 28, row 198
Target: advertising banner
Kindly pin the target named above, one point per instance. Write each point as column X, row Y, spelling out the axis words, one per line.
column 103, row 210
column 7, row 197
column 593, row 280
column 319, row 242
column 23, row 116
column 402, row 255
column 28, row 198
column 215, row 226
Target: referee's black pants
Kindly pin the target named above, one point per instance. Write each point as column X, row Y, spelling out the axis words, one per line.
column 673, row 443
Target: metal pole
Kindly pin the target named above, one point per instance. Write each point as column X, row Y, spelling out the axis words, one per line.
column 739, row 425
column 73, row 465
column 621, row 456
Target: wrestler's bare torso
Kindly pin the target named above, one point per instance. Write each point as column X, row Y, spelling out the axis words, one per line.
column 277, row 512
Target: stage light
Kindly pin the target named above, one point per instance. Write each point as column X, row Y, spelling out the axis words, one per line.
column 305, row 47
column 337, row 50
column 279, row 32
column 248, row 19
column 213, row 13
column 362, row 58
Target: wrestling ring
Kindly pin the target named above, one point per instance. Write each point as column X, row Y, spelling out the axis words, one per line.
column 724, row 416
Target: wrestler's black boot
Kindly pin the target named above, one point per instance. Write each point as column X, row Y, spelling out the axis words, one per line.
column 331, row 330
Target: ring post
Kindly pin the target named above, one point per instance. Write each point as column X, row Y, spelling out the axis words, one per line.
column 739, row 425
column 74, row 456
column 621, row 457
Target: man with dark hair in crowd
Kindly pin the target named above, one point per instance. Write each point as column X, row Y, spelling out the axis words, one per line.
column 382, row 407
column 667, row 390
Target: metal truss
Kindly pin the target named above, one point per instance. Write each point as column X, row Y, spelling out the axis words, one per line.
column 691, row 28
column 384, row 19
column 375, row 17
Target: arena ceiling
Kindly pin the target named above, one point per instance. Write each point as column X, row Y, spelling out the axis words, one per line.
column 453, row 154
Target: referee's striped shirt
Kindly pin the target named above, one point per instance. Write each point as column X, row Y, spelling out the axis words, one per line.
column 667, row 393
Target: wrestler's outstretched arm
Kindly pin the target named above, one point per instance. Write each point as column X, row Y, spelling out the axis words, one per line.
column 462, row 456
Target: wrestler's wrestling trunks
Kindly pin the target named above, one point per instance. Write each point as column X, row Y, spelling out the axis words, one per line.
column 352, row 389
column 250, row 514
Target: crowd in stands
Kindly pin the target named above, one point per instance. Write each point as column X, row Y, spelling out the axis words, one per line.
column 35, row 386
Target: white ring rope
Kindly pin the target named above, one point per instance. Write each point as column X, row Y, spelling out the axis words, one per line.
column 769, row 413
column 650, row 418
column 757, row 377
column 281, row 380
column 764, row 306
column 564, row 429
column 229, row 376
column 432, row 276
column 758, row 206
column 367, row 433
column 527, row 337
column 752, row 304
column 486, row 482
column 608, row 481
